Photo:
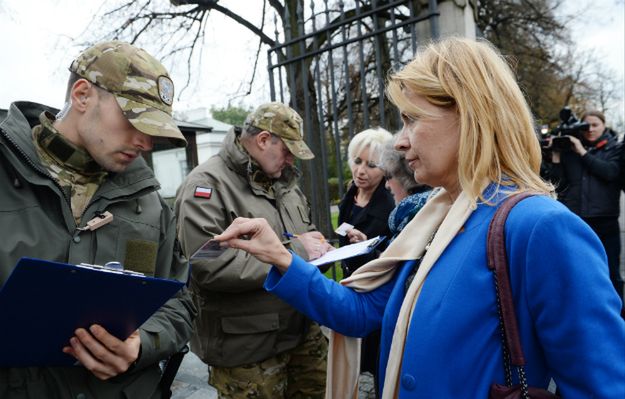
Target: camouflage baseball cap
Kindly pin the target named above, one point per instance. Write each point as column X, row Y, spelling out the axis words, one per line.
column 285, row 123
column 140, row 83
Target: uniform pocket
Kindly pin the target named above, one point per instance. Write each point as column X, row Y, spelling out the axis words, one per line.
column 132, row 238
column 250, row 324
column 249, row 339
column 304, row 214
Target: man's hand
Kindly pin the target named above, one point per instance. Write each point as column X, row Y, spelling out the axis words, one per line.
column 258, row 239
column 315, row 244
column 103, row 354
column 355, row 235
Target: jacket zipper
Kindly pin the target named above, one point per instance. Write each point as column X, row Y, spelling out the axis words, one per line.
column 278, row 200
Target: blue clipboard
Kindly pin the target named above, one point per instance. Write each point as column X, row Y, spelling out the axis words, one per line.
column 42, row 303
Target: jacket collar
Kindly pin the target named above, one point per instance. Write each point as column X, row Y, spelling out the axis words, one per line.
column 17, row 129
column 239, row 160
column 17, row 126
column 59, row 150
column 606, row 140
column 377, row 198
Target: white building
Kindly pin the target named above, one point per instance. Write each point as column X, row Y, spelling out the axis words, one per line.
column 170, row 166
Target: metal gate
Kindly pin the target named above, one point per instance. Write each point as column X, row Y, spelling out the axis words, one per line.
column 331, row 67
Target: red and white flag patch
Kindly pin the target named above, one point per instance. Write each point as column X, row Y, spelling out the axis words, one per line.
column 203, row 192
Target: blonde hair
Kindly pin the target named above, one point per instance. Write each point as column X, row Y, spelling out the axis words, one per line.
column 497, row 139
column 374, row 139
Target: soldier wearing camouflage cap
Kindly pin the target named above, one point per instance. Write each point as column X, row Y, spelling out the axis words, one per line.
column 59, row 173
column 140, row 84
column 285, row 123
column 256, row 345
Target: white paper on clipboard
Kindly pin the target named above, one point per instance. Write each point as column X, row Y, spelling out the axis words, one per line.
column 348, row 251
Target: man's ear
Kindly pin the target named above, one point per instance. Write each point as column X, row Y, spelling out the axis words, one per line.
column 80, row 94
column 263, row 139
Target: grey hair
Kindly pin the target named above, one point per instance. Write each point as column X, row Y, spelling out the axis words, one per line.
column 249, row 130
column 394, row 164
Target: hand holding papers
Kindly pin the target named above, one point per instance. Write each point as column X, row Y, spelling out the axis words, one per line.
column 314, row 243
column 42, row 303
column 348, row 251
column 343, row 229
column 264, row 244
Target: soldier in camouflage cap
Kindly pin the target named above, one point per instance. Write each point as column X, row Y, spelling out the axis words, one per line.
column 285, row 123
column 141, row 85
column 256, row 346
column 78, row 190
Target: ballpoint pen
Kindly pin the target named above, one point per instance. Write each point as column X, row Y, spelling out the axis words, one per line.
column 291, row 235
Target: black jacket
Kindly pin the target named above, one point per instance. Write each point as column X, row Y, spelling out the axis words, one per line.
column 372, row 221
column 589, row 185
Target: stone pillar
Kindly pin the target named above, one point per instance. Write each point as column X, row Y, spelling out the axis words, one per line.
column 456, row 17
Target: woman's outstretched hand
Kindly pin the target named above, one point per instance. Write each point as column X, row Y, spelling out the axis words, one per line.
column 257, row 238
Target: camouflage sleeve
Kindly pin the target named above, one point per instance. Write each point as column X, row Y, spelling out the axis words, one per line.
column 169, row 329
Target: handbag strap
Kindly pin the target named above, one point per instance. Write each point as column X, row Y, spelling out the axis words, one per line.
column 498, row 263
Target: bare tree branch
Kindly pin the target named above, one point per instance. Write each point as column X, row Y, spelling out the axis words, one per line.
column 237, row 18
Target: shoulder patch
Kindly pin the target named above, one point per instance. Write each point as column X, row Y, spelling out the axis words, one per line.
column 203, row 192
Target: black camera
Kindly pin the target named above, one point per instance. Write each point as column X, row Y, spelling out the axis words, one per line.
column 569, row 126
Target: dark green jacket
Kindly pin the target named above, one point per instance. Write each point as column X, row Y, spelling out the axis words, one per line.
column 36, row 218
column 238, row 321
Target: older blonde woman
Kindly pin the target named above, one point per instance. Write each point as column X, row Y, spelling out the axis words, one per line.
column 467, row 129
column 367, row 203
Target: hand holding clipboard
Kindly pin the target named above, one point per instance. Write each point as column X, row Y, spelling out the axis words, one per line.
column 44, row 303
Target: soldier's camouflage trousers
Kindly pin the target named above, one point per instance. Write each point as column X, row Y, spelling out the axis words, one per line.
column 296, row 374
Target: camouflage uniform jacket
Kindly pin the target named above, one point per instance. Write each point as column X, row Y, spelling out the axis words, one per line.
column 238, row 322
column 38, row 213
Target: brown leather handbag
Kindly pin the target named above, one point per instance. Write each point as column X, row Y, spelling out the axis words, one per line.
column 511, row 343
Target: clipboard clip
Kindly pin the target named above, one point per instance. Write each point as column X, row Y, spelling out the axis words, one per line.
column 113, row 267
column 376, row 242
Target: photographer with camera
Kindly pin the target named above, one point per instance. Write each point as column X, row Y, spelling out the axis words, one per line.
column 585, row 167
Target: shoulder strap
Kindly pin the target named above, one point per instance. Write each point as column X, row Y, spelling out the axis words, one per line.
column 170, row 370
column 497, row 262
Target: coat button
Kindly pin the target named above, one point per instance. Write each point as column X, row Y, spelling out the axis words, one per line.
column 76, row 239
column 408, row 382
column 81, row 396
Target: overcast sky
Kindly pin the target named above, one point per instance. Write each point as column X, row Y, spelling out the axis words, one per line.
column 36, row 36
column 36, row 46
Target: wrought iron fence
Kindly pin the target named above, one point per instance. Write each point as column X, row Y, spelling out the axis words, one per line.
column 331, row 67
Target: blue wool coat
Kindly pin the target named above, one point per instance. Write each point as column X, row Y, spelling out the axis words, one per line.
column 568, row 311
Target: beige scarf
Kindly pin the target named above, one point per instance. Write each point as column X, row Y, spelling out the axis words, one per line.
column 439, row 217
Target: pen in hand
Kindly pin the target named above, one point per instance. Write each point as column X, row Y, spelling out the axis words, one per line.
column 291, row 235
column 313, row 242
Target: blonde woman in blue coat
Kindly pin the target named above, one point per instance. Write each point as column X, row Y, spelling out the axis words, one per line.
column 467, row 129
